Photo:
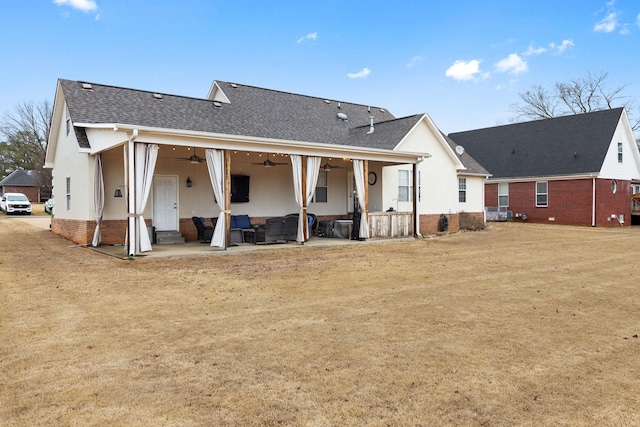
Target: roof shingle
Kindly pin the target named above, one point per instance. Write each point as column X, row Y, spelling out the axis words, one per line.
column 568, row 145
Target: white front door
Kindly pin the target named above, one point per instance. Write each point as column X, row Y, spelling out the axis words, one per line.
column 165, row 203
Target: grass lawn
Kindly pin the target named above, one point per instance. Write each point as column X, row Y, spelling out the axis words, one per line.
column 519, row 324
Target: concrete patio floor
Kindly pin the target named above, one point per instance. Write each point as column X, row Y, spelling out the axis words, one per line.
column 203, row 249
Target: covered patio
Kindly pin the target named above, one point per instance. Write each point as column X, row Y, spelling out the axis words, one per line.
column 140, row 162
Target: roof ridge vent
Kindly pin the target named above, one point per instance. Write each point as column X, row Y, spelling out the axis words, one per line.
column 87, row 86
column 157, row 96
column 233, row 85
column 217, row 104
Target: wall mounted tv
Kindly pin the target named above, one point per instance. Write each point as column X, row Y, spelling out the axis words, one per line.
column 239, row 188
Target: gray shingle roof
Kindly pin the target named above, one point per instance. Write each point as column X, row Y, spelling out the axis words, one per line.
column 20, row 178
column 568, row 145
column 252, row 111
column 473, row 167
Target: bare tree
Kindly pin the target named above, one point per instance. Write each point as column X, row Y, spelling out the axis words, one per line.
column 25, row 133
column 580, row 95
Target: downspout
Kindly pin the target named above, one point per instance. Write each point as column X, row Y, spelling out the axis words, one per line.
column 484, row 210
column 593, row 202
column 416, row 204
column 131, row 194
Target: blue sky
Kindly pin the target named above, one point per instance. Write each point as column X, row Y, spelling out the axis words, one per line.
column 461, row 61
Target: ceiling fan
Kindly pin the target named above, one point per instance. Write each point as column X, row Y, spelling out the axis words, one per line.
column 327, row 167
column 195, row 159
column 269, row 164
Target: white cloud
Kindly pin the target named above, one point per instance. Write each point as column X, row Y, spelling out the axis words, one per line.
column 512, row 64
column 531, row 50
column 461, row 70
column 608, row 24
column 360, row 74
column 562, row 46
column 310, row 36
column 413, row 61
column 83, row 5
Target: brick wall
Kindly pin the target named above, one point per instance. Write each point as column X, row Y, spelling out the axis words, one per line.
column 80, row 232
column 569, row 201
column 429, row 223
column 32, row 193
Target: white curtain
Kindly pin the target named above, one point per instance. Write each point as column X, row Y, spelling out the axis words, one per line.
column 296, row 169
column 145, row 158
column 98, row 198
column 361, row 180
column 215, row 164
column 313, row 170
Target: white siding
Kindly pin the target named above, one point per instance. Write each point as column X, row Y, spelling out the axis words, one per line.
column 71, row 163
column 630, row 166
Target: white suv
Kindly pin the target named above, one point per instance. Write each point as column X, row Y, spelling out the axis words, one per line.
column 15, row 203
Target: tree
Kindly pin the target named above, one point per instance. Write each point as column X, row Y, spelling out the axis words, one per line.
column 581, row 95
column 25, row 145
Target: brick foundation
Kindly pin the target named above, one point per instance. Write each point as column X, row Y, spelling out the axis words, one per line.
column 429, row 223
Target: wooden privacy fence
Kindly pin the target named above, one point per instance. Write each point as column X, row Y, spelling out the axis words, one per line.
column 391, row 224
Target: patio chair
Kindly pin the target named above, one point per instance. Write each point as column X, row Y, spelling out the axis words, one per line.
column 205, row 233
column 241, row 229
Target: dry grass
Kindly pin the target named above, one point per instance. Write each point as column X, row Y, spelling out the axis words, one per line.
column 519, row 324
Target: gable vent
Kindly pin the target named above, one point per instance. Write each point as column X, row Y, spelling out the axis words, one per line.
column 157, row 96
column 87, row 86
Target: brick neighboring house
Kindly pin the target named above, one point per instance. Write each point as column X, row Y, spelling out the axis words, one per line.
column 575, row 170
column 22, row 181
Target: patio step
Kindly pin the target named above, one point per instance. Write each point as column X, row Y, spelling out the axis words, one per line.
column 169, row 237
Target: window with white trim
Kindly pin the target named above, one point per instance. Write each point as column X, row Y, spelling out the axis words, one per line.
column 542, row 194
column 68, row 193
column 503, row 194
column 405, row 186
column 68, row 121
column 322, row 188
column 462, row 190
column 619, row 152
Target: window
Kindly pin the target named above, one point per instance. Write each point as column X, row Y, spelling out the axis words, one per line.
column 462, row 190
column 635, row 188
column 321, row 193
column 68, row 121
column 68, row 193
column 503, row 195
column 619, row 152
column 542, row 194
column 405, row 187
column 614, row 186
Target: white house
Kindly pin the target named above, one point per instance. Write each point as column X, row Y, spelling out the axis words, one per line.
column 174, row 157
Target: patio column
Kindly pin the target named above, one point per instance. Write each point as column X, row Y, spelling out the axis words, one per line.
column 303, row 217
column 416, row 219
column 227, row 197
column 131, row 196
column 365, row 213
